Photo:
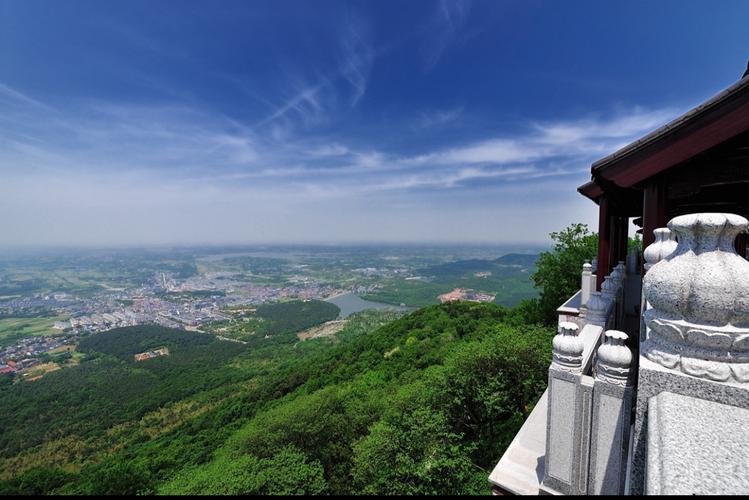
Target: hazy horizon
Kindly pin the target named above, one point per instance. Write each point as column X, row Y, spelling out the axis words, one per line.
column 148, row 123
column 509, row 247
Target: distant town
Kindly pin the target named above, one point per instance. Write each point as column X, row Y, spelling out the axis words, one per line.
column 193, row 292
column 201, row 300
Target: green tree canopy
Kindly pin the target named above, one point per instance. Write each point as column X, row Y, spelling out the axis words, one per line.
column 558, row 271
column 423, row 404
column 287, row 472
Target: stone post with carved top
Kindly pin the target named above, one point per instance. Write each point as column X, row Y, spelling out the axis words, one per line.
column 698, row 324
column 663, row 246
column 565, row 413
column 611, row 418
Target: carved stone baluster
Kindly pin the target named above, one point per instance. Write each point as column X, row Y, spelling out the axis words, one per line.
column 698, row 340
column 663, row 246
column 614, row 359
column 598, row 308
column 617, row 279
column 609, row 290
column 622, row 267
column 699, row 319
column 567, row 348
column 610, row 423
column 565, row 413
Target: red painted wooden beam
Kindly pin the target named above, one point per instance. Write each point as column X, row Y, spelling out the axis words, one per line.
column 717, row 120
column 668, row 153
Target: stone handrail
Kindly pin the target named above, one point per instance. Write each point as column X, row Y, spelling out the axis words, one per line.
column 588, row 417
column 575, row 399
column 521, row 468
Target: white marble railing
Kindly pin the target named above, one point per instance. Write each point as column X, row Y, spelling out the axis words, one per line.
column 692, row 373
column 588, row 415
column 585, row 409
column 521, row 468
column 604, row 308
column 590, row 397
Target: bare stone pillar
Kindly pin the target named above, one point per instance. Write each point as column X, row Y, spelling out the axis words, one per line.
column 566, row 413
column 698, row 342
column 585, row 287
column 611, row 419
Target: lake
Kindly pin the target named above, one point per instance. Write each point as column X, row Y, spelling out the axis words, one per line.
column 351, row 303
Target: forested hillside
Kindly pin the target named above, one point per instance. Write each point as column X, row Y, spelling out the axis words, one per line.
column 275, row 323
column 507, row 278
column 425, row 403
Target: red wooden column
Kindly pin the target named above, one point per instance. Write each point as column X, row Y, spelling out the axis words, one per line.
column 623, row 223
column 604, row 240
column 654, row 210
column 617, row 240
column 614, row 243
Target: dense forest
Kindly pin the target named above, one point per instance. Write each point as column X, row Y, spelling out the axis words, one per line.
column 422, row 404
column 275, row 323
column 290, row 317
column 506, row 277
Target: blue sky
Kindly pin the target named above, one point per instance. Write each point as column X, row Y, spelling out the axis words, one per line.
column 335, row 121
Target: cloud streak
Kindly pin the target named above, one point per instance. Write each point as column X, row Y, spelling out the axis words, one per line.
column 445, row 24
column 437, row 118
column 180, row 141
column 169, row 165
column 315, row 97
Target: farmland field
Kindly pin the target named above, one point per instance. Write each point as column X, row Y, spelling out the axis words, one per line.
column 12, row 329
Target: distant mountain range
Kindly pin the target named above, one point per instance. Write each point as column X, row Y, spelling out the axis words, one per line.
column 462, row 267
column 517, row 259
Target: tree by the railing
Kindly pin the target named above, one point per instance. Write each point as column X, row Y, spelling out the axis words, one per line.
column 557, row 273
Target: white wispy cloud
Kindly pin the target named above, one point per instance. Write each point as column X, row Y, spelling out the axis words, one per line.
column 184, row 141
column 11, row 96
column 166, row 164
column 316, row 95
column 445, row 23
column 328, row 150
column 305, row 103
column 623, row 126
column 579, row 139
column 96, row 137
column 357, row 55
column 436, row 118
